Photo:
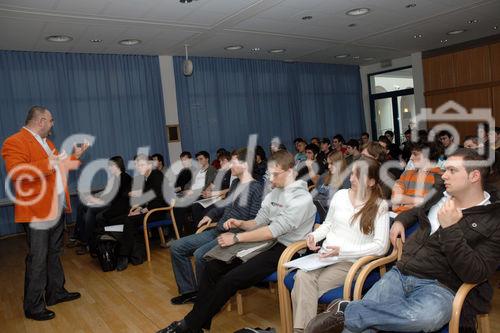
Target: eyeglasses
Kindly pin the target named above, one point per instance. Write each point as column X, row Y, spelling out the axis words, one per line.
column 276, row 174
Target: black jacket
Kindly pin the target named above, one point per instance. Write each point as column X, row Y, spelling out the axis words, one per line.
column 468, row 251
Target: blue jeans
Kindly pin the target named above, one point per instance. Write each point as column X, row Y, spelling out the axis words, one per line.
column 401, row 303
column 181, row 251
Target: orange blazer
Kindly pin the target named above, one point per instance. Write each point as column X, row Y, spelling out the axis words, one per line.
column 33, row 178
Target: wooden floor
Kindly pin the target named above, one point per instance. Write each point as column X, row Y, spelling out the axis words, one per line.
column 135, row 300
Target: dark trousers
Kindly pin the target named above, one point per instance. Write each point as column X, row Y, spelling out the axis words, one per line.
column 221, row 281
column 90, row 217
column 44, row 277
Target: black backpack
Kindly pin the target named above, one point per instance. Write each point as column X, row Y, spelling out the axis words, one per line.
column 106, row 252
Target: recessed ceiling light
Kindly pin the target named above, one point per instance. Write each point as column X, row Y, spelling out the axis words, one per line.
column 307, row 17
column 418, row 36
column 455, row 32
column 355, row 57
column 59, row 38
column 233, row 47
column 411, row 5
column 277, row 51
column 369, row 59
column 96, row 40
column 495, row 27
column 473, row 21
column 352, row 25
column 341, row 56
column 444, row 41
column 358, row 11
column 255, row 49
column 129, row 42
column 185, row 1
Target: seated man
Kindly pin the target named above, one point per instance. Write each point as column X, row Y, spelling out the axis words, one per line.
column 458, row 241
column 242, row 202
column 287, row 215
column 414, row 185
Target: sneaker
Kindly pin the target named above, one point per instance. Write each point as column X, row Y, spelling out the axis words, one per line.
column 184, row 298
column 332, row 320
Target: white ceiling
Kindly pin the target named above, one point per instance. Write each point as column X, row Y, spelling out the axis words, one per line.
column 164, row 26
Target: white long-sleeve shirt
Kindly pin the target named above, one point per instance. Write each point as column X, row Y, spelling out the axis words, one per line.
column 339, row 229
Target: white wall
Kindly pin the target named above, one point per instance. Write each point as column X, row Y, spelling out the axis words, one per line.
column 415, row 60
column 170, row 102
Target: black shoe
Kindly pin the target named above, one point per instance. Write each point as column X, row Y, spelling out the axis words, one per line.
column 84, row 249
column 332, row 320
column 184, row 298
column 179, row 327
column 42, row 315
column 122, row 263
column 66, row 298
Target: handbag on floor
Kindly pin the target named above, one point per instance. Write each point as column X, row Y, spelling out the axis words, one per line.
column 106, row 252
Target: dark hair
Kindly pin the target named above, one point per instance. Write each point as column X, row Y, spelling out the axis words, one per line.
column 259, row 151
column 314, row 138
column 408, row 131
column 220, row 151
column 368, row 212
column 159, row 157
column 297, row 140
column 422, row 135
column 365, row 134
column 325, row 140
column 385, row 140
column 471, row 155
column 339, row 138
column 353, row 143
column 497, row 130
column 224, row 154
column 33, row 112
column 435, row 151
column 118, row 160
column 312, row 147
column 283, row 159
column 444, row 133
column 391, row 133
column 203, row 153
column 186, row 154
column 241, row 154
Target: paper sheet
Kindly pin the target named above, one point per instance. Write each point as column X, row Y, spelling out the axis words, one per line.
column 114, row 228
column 312, row 262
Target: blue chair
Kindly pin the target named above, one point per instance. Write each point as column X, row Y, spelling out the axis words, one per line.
column 458, row 301
column 147, row 225
column 286, row 281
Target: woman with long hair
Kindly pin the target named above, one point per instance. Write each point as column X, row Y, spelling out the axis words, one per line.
column 357, row 225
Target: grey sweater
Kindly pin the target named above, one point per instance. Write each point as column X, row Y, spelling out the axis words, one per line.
column 289, row 212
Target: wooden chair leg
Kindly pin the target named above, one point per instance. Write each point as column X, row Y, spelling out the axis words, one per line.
column 271, row 287
column 229, row 307
column 484, row 323
column 146, row 243
column 162, row 237
column 239, row 303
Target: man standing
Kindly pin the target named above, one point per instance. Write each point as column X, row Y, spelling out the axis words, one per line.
column 38, row 171
column 287, row 215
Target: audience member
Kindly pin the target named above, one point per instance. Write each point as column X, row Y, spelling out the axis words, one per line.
column 330, row 182
column 357, row 225
column 300, row 147
column 309, row 170
column 457, row 242
column 287, row 215
column 315, row 141
column 414, row 186
column 394, row 150
column 365, row 138
column 218, row 154
column 338, row 143
column 260, row 164
column 325, row 150
column 159, row 162
column 352, row 151
column 242, row 202
column 130, row 246
column 183, row 181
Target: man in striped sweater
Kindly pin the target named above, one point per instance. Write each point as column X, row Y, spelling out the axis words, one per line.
column 242, row 202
